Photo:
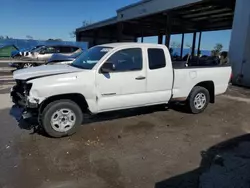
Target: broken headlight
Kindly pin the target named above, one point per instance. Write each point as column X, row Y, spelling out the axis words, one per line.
column 27, row 88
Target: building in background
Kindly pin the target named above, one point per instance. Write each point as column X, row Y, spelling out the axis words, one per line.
column 163, row 18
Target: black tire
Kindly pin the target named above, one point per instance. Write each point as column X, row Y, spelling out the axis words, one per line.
column 55, row 106
column 20, row 66
column 191, row 99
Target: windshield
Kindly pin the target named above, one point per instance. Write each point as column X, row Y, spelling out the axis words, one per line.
column 88, row 59
column 37, row 49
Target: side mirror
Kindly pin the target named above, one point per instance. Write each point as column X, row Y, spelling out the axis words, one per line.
column 107, row 67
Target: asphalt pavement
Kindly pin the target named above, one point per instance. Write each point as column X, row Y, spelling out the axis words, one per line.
column 145, row 148
column 3, row 64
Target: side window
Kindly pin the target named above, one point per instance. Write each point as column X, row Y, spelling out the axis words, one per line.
column 50, row 50
column 127, row 60
column 65, row 49
column 156, row 58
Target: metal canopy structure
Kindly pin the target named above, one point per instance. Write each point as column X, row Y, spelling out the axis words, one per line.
column 166, row 17
column 202, row 15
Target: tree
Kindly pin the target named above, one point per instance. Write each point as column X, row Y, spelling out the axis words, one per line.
column 175, row 45
column 5, row 37
column 85, row 23
column 72, row 34
column 29, row 37
column 188, row 45
column 217, row 49
column 54, row 40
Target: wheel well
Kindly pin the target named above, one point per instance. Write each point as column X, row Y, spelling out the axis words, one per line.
column 209, row 85
column 77, row 98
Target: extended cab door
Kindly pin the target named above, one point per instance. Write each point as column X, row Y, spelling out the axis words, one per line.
column 125, row 86
column 159, row 75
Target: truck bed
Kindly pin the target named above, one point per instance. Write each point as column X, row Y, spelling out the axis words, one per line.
column 186, row 78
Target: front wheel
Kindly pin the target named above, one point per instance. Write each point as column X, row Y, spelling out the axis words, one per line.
column 198, row 99
column 61, row 118
column 25, row 65
column 28, row 65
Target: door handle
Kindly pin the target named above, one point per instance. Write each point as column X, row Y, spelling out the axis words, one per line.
column 140, row 78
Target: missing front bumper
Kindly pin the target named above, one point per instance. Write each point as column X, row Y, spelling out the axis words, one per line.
column 21, row 100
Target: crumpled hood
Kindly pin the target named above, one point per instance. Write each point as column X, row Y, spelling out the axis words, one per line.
column 44, row 70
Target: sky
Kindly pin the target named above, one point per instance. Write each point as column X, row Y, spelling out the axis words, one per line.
column 44, row 19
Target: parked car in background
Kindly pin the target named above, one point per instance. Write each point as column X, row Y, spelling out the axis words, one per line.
column 15, row 54
column 112, row 77
column 63, row 59
column 40, row 55
column 21, row 52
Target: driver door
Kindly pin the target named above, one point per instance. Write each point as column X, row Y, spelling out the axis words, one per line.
column 125, row 85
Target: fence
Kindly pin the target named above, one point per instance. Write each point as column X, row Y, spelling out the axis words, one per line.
column 25, row 44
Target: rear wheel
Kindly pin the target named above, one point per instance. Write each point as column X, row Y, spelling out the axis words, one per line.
column 61, row 118
column 28, row 65
column 198, row 99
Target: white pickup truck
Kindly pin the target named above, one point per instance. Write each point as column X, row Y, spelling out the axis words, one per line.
column 112, row 77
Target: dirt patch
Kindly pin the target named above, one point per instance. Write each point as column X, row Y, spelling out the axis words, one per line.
column 144, row 148
column 139, row 127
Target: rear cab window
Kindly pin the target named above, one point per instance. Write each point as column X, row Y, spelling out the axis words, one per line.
column 156, row 58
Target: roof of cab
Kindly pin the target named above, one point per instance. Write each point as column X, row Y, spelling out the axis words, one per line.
column 132, row 44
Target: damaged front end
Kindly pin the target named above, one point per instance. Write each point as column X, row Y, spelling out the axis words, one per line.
column 28, row 106
column 20, row 95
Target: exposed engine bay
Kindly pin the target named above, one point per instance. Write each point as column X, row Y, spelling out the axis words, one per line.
column 19, row 94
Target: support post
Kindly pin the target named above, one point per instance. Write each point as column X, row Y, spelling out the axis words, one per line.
column 182, row 44
column 168, row 31
column 142, row 39
column 160, row 39
column 78, row 38
column 167, row 41
column 119, row 31
column 193, row 45
column 110, row 36
column 95, row 38
column 239, row 56
column 142, row 34
column 199, row 44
